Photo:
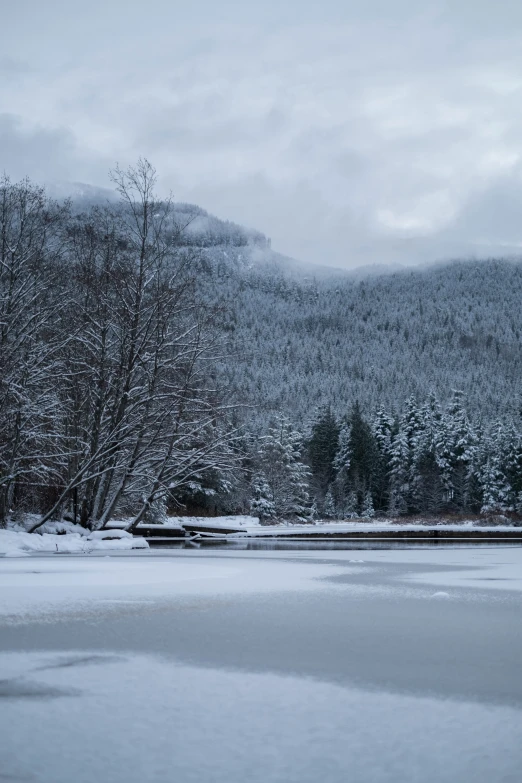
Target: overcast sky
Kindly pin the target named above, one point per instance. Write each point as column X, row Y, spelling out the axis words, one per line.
column 349, row 131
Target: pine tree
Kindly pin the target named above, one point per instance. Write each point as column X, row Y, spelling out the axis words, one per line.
column 262, row 503
column 494, row 487
column 399, row 471
column 383, row 428
column 329, row 505
column 429, row 489
column 458, row 453
column 513, row 463
column 287, row 477
column 322, row 448
column 364, row 456
column 411, row 427
column 367, row 510
column 340, row 486
column 350, row 510
column 313, row 512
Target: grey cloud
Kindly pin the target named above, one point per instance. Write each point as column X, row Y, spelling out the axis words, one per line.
column 33, row 151
column 349, row 132
column 168, row 130
column 43, row 154
column 305, row 225
column 11, row 67
column 492, row 216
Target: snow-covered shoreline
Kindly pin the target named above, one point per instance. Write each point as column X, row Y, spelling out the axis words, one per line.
column 18, row 543
column 67, row 538
column 385, row 526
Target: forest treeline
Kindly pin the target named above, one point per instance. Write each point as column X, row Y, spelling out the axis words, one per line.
column 149, row 361
column 431, row 460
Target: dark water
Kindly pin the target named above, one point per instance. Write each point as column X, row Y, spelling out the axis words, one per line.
column 339, row 545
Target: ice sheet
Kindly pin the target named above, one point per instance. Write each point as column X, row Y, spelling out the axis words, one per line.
column 39, row 586
column 88, row 717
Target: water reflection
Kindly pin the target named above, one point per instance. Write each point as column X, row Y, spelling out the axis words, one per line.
column 339, row 545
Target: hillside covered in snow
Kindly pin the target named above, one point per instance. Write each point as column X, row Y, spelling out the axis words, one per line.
column 154, row 358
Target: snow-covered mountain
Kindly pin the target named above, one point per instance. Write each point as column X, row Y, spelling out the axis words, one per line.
column 302, row 335
column 155, row 354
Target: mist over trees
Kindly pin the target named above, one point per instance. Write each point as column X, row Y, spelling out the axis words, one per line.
column 154, row 357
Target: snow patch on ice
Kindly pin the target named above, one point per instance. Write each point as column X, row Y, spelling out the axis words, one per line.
column 87, row 583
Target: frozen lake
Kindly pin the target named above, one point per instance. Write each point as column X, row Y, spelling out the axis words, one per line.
column 308, row 665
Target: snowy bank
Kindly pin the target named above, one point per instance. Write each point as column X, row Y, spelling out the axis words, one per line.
column 16, row 543
column 178, row 523
column 244, row 525
column 332, row 528
column 232, row 521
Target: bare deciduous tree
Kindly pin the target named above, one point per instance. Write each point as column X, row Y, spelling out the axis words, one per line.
column 141, row 418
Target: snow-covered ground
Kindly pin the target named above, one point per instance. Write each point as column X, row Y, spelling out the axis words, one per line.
column 67, row 538
column 374, row 666
column 232, row 521
column 17, row 543
column 177, row 523
column 248, row 525
column 377, row 526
